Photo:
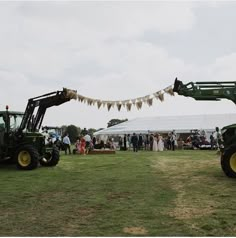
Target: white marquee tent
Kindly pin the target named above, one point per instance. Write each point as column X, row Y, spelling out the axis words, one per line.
column 165, row 124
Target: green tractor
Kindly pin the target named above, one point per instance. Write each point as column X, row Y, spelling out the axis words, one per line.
column 216, row 91
column 21, row 142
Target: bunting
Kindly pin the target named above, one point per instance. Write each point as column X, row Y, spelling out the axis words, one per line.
column 99, row 103
column 138, row 102
column 118, row 106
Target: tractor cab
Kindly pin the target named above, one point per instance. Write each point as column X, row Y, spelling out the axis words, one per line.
column 9, row 123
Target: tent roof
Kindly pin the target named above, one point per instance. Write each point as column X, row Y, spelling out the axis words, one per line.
column 163, row 124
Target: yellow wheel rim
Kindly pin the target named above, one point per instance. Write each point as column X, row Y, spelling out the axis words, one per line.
column 233, row 162
column 24, row 158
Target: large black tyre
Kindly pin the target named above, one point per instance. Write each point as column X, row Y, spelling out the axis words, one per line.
column 51, row 159
column 26, row 157
column 228, row 162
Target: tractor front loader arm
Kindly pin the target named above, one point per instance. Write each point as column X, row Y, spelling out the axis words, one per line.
column 31, row 121
column 207, row 90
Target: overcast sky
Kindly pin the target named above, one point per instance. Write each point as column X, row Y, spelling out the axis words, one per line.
column 114, row 51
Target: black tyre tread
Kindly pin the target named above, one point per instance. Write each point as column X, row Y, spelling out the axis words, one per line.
column 34, row 157
column 53, row 160
column 225, row 161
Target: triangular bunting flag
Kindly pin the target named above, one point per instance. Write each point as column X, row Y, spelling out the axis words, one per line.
column 99, row 104
column 149, row 101
column 161, row 96
column 118, row 106
column 169, row 90
column 128, row 106
column 139, row 105
column 109, row 106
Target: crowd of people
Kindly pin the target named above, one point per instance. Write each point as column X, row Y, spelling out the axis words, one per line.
column 152, row 142
column 135, row 142
column 159, row 142
column 198, row 140
column 86, row 143
column 83, row 144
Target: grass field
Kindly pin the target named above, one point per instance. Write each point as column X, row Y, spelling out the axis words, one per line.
column 179, row 193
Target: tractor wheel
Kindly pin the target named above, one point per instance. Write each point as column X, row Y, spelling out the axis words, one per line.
column 51, row 159
column 27, row 157
column 228, row 162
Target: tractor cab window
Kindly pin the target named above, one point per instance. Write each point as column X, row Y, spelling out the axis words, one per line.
column 15, row 121
column 2, row 123
column 2, row 130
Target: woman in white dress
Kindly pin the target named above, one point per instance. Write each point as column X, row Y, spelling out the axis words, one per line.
column 160, row 144
column 154, row 147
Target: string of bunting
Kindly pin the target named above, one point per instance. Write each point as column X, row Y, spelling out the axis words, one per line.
column 138, row 102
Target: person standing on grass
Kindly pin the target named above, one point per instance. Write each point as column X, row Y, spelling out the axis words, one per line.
column 94, row 141
column 151, row 141
column 134, row 141
column 140, row 141
column 173, row 140
column 154, row 144
column 66, row 142
column 212, row 140
column 129, row 141
column 169, row 141
column 125, row 142
column 88, row 139
column 82, row 146
column 218, row 138
column 146, row 142
column 77, row 145
column 160, row 143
